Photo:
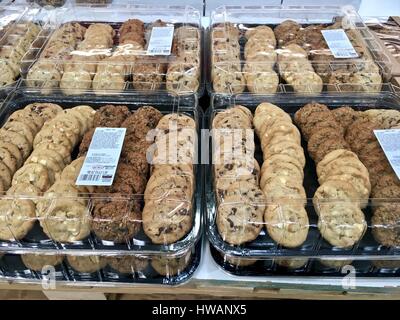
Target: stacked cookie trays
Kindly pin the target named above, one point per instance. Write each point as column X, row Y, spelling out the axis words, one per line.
column 85, row 54
column 286, row 51
column 150, row 205
column 325, row 187
column 17, row 34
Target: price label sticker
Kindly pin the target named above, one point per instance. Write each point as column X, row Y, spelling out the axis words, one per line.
column 390, row 142
column 102, row 158
column 160, row 41
column 339, row 44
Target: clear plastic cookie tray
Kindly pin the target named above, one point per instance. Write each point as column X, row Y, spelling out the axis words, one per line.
column 258, row 48
column 88, row 46
column 100, row 270
column 387, row 30
column 117, row 219
column 285, row 226
column 19, row 26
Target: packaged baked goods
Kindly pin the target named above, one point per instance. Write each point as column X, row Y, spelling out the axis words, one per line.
column 268, row 50
column 323, row 184
column 77, row 53
column 45, row 141
column 18, row 33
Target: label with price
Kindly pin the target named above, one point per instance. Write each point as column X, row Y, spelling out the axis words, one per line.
column 160, row 41
column 102, row 158
column 339, row 44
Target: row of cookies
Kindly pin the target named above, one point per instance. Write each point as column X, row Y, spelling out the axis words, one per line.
column 226, row 69
column 183, row 74
column 343, row 75
column 297, row 71
column 344, row 181
column 14, row 46
column 282, row 175
column 260, row 55
column 52, row 148
column 81, row 66
column 240, row 201
column 318, row 66
column 168, row 211
column 116, row 212
column 46, row 72
column 385, row 184
column 113, row 71
column 164, row 266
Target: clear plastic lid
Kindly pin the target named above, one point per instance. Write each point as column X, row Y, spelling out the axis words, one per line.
column 106, row 49
column 310, row 48
column 295, row 175
column 153, row 204
column 19, row 27
column 100, row 270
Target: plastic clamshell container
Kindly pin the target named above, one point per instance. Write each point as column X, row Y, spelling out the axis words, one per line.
column 19, row 27
column 36, row 241
column 264, row 249
column 240, row 64
column 115, row 66
column 101, row 269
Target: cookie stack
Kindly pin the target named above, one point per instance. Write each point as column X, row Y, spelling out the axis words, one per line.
column 241, row 202
column 98, row 40
column 226, row 71
column 344, row 181
column 14, row 47
column 44, row 165
column 282, row 175
column 113, row 71
column 385, row 184
column 17, row 216
column 297, row 71
column 51, row 172
column 47, row 73
column 167, row 214
column 260, row 56
column 183, row 74
column 63, row 213
column 131, row 35
column 116, row 215
column 149, row 73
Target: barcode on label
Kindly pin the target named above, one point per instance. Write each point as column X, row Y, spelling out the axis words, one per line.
column 345, row 54
column 159, row 51
column 90, row 177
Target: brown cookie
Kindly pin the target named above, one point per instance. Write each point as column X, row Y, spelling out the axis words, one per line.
column 320, row 119
column 142, row 121
column 385, row 225
column 385, row 180
column 116, row 218
column 127, row 180
column 360, row 133
column 110, row 116
column 319, row 137
column 302, row 114
column 345, row 116
column 85, row 143
column 330, row 145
